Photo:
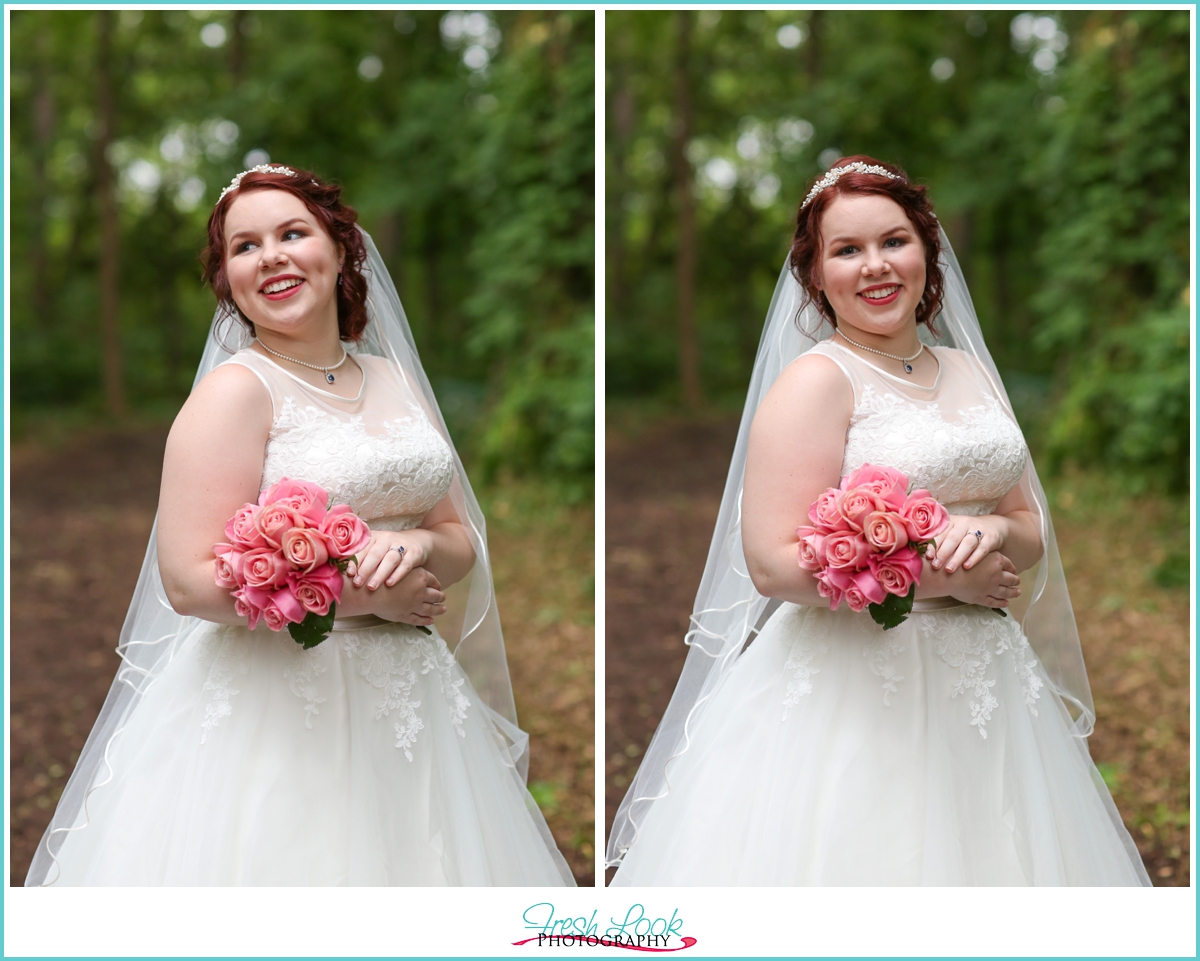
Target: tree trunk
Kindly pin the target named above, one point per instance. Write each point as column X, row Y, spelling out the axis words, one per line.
column 43, row 133
column 237, row 46
column 812, row 47
column 389, row 238
column 685, row 253
column 110, row 238
column 435, row 324
column 624, row 118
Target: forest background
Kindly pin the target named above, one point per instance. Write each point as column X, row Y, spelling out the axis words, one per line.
column 1056, row 149
column 466, row 142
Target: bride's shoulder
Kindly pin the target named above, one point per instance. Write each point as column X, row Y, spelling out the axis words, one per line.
column 237, row 383
column 814, row 380
column 230, row 397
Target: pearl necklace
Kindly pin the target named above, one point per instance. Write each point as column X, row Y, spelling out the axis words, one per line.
column 304, row 363
column 904, row 360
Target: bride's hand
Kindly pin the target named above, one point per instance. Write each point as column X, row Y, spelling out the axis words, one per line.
column 990, row 582
column 958, row 547
column 389, row 557
column 417, row 599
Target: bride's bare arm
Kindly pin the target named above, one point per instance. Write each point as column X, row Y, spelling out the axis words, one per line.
column 795, row 452
column 212, row 466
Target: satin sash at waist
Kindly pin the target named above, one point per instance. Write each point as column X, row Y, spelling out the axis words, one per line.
column 931, row 604
column 359, row 622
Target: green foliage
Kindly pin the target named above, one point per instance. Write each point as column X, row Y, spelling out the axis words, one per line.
column 532, row 259
column 1128, row 403
column 1055, row 146
column 1115, row 255
column 464, row 140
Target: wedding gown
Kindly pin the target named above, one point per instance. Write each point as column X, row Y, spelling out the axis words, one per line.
column 367, row 760
column 837, row 753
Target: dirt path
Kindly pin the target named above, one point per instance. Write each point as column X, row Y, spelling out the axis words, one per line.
column 663, row 493
column 81, row 514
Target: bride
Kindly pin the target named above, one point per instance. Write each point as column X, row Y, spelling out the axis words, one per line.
column 383, row 756
column 805, row 746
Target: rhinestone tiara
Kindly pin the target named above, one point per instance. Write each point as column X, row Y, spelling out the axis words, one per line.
column 260, row 169
column 833, row 175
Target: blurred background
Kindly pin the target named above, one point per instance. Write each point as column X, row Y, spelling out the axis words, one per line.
column 1056, row 149
column 465, row 139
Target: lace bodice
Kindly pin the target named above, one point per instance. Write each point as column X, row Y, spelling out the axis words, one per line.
column 956, row 439
column 378, row 452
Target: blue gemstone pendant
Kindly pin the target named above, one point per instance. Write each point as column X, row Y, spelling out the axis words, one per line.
column 908, row 368
column 329, row 376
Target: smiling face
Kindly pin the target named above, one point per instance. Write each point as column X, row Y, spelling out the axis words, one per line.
column 871, row 266
column 281, row 264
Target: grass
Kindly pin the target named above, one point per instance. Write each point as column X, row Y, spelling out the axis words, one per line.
column 1126, row 557
column 542, row 553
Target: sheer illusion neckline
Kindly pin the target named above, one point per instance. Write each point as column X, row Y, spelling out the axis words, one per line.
column 317, row 390
column 899, row 380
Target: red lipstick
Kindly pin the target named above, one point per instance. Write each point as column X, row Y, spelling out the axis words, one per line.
column 880, row 301
column 282, row 294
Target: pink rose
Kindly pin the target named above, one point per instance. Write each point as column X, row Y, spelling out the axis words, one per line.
column 885, row 531
column 264, row 568
column 249, row 602
column 864, row 589
column 275, row 520
column 228, row 568
column 824, row 512
column 846, row 551
column 923, row 516
column 305, row 549
column 897, row 572
column 812, row 548
column 282, row 609
column 856, row 504
column 241, row 530
column 308, row 500
column 885, row 483
column 274, row 618
column 318, row 590
column 826, row 588
column 344, row 531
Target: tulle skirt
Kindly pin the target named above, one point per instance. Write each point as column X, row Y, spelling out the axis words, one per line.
column 368, row 760
column 835, row 753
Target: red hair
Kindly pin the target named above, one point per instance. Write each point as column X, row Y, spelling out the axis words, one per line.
column 806, row 243
column 339, row 221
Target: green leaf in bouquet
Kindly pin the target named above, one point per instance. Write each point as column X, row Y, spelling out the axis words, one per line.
column 313, row 629
column 894, row 609
column 1000, row 611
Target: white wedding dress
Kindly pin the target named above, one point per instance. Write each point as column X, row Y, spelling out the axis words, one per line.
column 368, row 760
column 837, row 753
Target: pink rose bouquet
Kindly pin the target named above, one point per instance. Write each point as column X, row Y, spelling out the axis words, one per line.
column 286, row 556
column 866, row 542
